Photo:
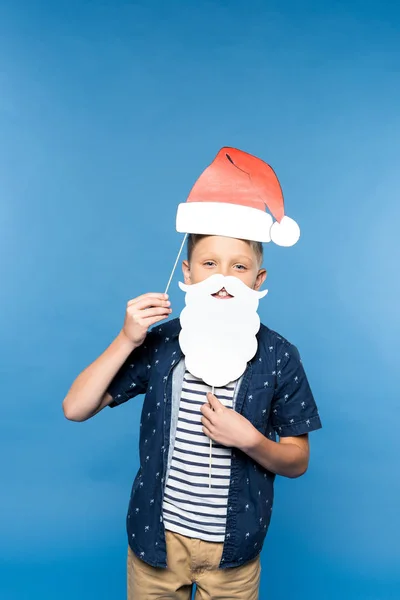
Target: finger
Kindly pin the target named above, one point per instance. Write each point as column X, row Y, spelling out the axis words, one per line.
column 207, row 432
column 151, row 312
column 205, row 408
column 149, row 295
column 148, row 303
column 207, row 423
column 208, row 413
column 214, row 402
column 147, row 322
column 153, row 320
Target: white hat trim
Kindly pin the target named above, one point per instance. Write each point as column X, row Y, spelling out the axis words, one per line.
column 224, row 218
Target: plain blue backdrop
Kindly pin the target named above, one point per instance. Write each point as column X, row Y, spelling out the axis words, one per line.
column 109, row 111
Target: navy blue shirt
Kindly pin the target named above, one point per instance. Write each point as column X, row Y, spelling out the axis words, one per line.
column 274, row 395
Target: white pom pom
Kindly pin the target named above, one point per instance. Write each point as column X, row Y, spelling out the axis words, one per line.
column 286, row 233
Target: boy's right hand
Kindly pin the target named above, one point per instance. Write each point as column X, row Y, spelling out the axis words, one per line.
column 143, row 312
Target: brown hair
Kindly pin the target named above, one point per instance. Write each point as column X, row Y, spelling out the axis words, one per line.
column 194, row 238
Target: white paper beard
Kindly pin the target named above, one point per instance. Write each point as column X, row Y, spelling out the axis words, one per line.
column 218, row 337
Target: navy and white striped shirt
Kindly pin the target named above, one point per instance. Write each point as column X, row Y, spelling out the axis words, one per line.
column 191, row 507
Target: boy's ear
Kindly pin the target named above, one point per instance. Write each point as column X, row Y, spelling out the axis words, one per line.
column 261, row 277
column 186, row 272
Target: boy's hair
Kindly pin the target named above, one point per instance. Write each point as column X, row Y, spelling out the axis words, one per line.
column 194, row 238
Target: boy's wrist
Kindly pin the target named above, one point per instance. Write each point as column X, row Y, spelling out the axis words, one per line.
column 124, row 342
column 251, row 440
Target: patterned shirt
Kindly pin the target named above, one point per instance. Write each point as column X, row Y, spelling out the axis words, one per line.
column 273, row 394
column 191, row 507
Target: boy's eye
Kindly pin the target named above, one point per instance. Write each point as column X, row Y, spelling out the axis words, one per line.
column 209, row 263
column 240, row 267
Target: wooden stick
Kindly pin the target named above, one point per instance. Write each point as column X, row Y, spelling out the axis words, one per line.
column 210, row 461
column 176, row 262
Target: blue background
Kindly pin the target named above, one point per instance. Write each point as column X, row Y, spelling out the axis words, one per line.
column 109, row 111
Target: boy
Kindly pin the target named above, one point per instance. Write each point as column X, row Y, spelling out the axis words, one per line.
column 180, row 531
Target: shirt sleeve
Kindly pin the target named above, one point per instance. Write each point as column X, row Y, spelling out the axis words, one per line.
column 294, row 411
column 133, row 377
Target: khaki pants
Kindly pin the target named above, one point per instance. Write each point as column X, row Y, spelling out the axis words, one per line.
column 192, row 561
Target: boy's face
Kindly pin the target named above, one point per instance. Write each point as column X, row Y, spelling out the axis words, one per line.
column 219, row 338
column 226, row 256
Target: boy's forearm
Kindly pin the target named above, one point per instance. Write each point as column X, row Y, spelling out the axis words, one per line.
column 288, row 460
column 87, row 394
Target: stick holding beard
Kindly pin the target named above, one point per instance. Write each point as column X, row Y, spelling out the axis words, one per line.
column 219, row 327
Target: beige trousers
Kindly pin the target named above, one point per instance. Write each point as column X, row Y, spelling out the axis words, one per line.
column 192, row 561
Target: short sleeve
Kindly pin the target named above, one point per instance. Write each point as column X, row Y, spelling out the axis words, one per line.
column 133, row 377
column 294, row 411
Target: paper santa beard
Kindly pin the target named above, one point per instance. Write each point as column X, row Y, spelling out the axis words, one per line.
column 218, row 336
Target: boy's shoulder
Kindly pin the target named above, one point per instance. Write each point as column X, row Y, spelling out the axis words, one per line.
column 271, row 339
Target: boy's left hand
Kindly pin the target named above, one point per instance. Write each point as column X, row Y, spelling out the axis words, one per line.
column 225, row 426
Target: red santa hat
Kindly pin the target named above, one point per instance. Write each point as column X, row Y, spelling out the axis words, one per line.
column 230, row 199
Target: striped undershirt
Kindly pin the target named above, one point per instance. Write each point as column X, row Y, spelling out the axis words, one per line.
column 190, row 506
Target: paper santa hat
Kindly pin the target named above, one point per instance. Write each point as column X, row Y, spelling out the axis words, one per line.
column 230, row 199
